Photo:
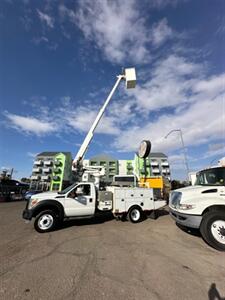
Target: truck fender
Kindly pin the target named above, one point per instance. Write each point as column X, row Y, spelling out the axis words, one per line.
column 49, row 204
column 214, row 207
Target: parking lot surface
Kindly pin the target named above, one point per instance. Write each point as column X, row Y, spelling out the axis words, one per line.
column 106, row 259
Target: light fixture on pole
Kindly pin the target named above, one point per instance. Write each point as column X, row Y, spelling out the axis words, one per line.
column 184, row 149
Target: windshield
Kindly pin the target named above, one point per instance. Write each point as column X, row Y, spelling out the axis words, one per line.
column 214, row 176
column 66, row 190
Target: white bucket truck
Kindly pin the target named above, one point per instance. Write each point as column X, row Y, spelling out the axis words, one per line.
column 203, row 206
column 85, row 199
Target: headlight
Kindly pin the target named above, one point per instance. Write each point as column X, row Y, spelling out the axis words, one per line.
column 175, row 198
column 186, row 206
column 33, row 202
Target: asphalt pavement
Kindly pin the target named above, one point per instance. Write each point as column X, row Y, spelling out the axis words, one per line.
column 106, row 259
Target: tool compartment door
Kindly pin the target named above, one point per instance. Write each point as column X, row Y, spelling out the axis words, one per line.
column 140, row 196
column 119, row 201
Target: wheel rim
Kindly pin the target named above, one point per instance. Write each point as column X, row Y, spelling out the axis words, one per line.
column 135, row 214
column 45, row 222
column 218, row 231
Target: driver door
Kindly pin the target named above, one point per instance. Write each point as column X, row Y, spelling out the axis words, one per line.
column 80, row 201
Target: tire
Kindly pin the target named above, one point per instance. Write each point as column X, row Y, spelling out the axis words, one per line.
column 45, row 221
column 135, row 214
column 212, row 229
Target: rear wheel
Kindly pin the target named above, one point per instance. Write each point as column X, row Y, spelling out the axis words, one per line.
column 45, row 221
column 134, row 214
column 213, row 229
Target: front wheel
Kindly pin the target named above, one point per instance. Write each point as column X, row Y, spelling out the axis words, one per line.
column 213, row 229
column 134, row 214
column 45, row 221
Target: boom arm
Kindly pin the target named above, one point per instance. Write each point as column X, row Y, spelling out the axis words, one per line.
column 130, row 76
column 80, row 154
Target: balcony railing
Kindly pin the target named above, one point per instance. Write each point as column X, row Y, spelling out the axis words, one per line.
column 57, row 163
column 48, row 162
column 47, row 170
column 35, row 177
column 155, row 170
column 165, row 164
column 154, row 163
column 38, row 162
column 46, row 177
column 36, row 170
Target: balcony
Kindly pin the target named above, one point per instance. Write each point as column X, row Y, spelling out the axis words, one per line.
column 155, row 171
column 36, row 170
column 56, row 178
column 167, row 171
column 48, row 162
column 57, row 163
column 35, row 177
column 130, row 167
column 165, row 164
column 154, row 163
column 38, row 162
column 47, row 170
column 57, row 170
column 46, row 177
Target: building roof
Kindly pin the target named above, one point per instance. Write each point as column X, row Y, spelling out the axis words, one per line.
column 157, row 154
column 53, row 153
column 103, row 157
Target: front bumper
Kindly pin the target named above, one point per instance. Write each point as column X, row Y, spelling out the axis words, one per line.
column 187, row 220
column 27, row 214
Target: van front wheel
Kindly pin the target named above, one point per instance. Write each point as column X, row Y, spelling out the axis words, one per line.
column 213, row 229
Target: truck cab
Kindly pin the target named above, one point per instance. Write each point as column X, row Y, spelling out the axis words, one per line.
column 203, row 206
column 77, row 200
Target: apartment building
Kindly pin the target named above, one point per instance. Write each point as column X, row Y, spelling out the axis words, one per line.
column 155, row 165
column 52, row 171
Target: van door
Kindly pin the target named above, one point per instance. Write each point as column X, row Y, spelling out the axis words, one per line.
column 80, row 201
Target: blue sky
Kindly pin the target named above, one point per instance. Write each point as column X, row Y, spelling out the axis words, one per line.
column 59, row 60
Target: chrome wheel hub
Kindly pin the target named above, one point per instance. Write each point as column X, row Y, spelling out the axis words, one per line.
column 135, row 214
column 218, row 231
column 45, row 221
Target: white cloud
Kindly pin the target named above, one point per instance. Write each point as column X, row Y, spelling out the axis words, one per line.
column 170, row 84
column 161, row 32
column 163, row 3
column 215, row 150
column 117, row 28
column 30, row 125
column 39, row 40
column 46, row 19
column 83, row 118
column 31, row 154
column 202, row 119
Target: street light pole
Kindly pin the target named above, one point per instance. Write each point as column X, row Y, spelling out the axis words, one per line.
column 184, row 149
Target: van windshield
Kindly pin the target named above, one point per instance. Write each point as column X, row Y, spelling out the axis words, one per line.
column 214, row 176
